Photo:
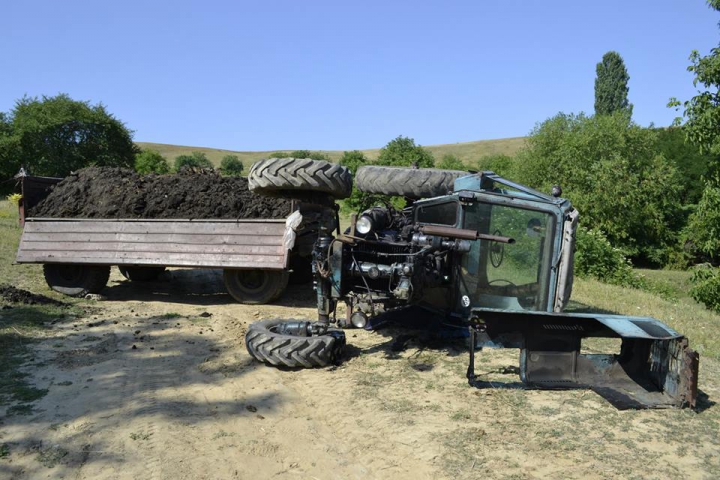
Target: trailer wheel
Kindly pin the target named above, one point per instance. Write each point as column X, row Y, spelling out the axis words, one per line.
column 406, row 182
column 255, row 286
column 266, row 345
column 76, row 280
column 289, row 177
column 141, row 274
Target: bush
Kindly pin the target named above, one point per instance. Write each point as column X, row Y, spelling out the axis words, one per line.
column 451, row 162
column 610, row 169
column 706, row 286
column 14, row 198
column 301, row 154
column 595, row 257
column 403, row 152
column 195, row 159
column 499, row 163
column 150, row 161
column 703, row 230
column 231, row 166
column 353, row 160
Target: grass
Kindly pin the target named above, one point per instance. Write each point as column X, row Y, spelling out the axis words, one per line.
column 22, row 325
column 466, row 151
column 684, row 314
column 140, row 436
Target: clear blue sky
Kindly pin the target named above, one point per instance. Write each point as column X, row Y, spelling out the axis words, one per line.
column 264, row 75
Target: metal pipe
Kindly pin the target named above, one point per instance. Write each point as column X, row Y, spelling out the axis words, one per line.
column 462, row 233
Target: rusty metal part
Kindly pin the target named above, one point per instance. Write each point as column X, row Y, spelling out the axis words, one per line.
column 654, row 367
column 462, row 233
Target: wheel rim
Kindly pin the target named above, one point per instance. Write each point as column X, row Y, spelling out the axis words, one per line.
column 70, row 274
column 251, row 280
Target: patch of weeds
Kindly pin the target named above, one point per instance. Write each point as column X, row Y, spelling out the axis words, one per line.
column 140, row 436
column 400, row 406
column 22, row 409
column 464, row 449
column 24, row 393
column 221, row 434
column 55, row 426
column 50, row 457
column 461, row 415
column 4, row 450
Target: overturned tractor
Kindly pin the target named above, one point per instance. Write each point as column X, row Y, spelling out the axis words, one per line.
column 475, row 249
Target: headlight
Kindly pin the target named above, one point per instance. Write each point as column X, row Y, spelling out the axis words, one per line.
column 364, row 225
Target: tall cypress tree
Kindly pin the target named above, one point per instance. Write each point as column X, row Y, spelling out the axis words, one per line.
column 611, row 85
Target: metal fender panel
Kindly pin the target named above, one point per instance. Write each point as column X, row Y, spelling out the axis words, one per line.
column 655, row 367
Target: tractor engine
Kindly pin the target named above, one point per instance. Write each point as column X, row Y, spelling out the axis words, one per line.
column 388, row 261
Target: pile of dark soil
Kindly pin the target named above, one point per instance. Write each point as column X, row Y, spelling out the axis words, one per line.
column 16, row 295
column 109, row 192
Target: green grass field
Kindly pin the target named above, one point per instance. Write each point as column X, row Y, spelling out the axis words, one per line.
column 468, row 152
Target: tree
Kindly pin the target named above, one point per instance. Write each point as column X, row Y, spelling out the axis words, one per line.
column 451, row 162
column 53, row 136
column 501, row 164
column 402, row 152
column 703, row 229
column 611, row 85
column 703, row 110
column 9, row 152
column 301, row 154
column 151, row 161
column 195, row 159
column 353, row 160
column 692, row 164
column 231, row 166
column 609, row 167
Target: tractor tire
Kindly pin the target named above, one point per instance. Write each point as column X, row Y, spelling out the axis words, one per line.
column 76, row 280
column 255, row 287
column 266, row 345
column 288, row 177
column 412, row 183
column 141, row 274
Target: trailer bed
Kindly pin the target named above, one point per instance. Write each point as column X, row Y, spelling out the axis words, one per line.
column 239, row 244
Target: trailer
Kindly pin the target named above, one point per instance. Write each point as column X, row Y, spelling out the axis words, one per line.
column 77, row 254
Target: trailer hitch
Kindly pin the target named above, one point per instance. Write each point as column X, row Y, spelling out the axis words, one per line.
column 655, row 368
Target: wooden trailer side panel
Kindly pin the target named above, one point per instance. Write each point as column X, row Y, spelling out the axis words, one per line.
column 251, row 244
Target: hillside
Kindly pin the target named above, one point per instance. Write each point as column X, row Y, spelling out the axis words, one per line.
column 466, row 151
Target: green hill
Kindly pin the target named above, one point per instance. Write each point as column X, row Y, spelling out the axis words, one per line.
column 468, row 152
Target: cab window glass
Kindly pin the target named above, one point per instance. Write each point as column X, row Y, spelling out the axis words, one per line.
column 439, row 213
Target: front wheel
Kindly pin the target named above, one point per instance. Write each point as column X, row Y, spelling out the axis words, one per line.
column 76, row 280
column 255, row 286
column 265, row 344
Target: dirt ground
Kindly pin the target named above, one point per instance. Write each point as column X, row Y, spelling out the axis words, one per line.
column 155, row 383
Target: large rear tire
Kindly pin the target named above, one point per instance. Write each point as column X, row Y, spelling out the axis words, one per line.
column 288, row 177
column 266, row 345
column 141, row 274
column 76, row 280
column 413, row 183
column 255, row 286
